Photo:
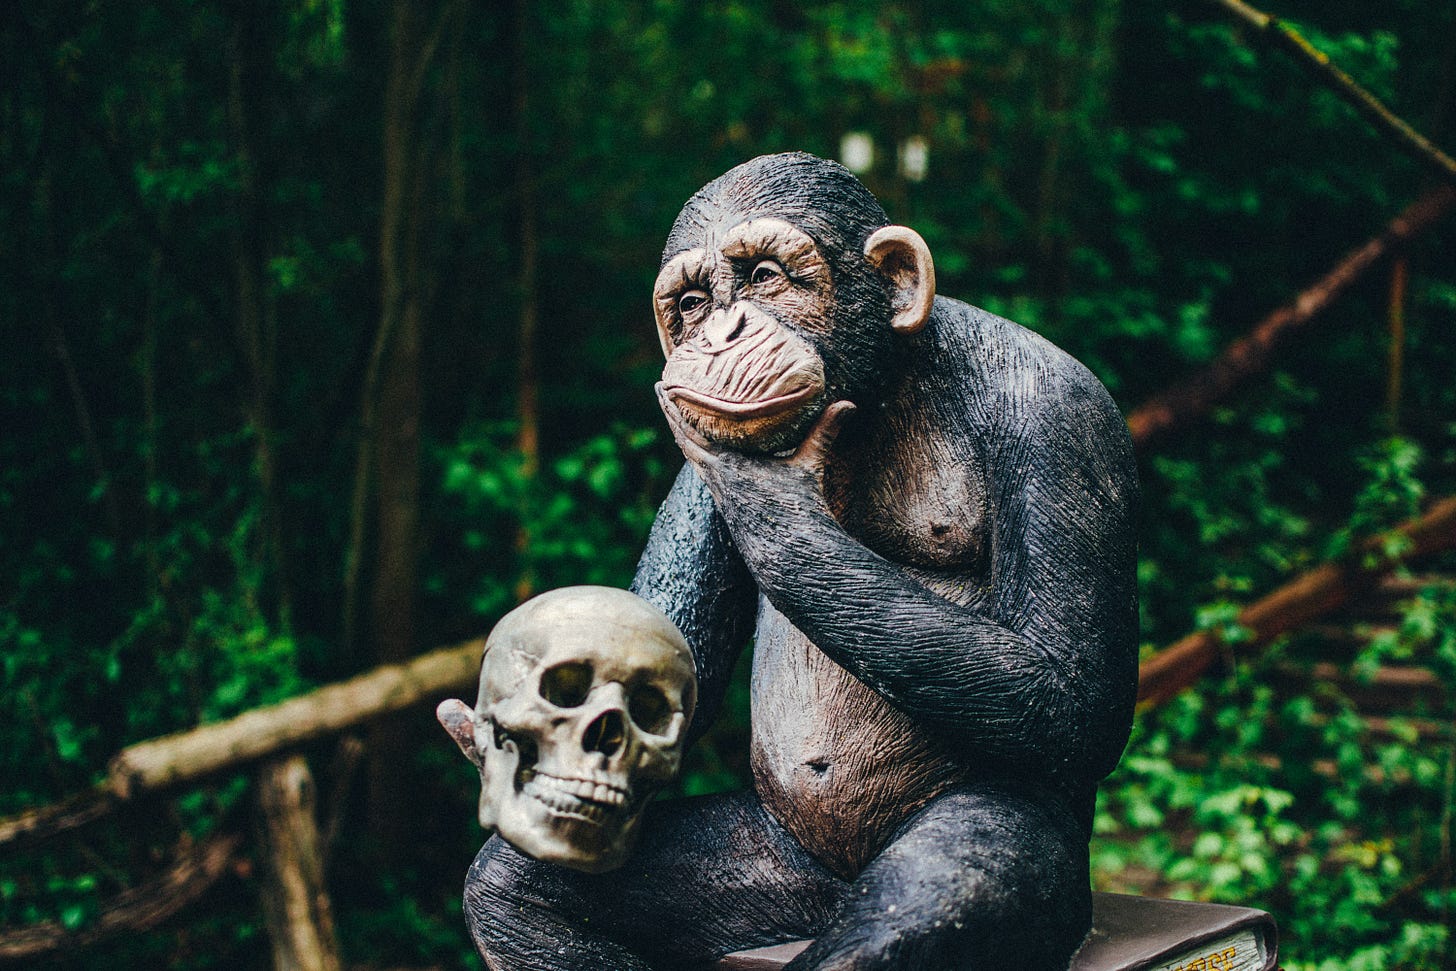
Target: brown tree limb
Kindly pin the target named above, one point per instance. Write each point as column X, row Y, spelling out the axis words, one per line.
column 262, row 732
column 1299, row 601
column 1248, row 355
column 141, row 908
column 1319, row 66
column 41, row 823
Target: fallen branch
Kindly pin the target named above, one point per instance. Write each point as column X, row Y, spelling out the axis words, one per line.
column 262, row 732
column 132, row 911
column 1319, row 66
column 1303, row 599
column 34, row 825
column 186, row 756
column 1247, row 356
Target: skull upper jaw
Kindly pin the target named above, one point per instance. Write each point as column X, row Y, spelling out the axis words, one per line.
column 579, row 816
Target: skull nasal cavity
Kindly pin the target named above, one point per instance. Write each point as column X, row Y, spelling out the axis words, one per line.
column 606, row 733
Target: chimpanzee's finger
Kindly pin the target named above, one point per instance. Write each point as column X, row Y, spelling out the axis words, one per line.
column 695, row 448
column 812, row 452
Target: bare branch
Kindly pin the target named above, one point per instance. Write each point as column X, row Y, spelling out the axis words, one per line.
column 35, row 825
column 132, row 911
column 1301, row 600
column 1319, row 66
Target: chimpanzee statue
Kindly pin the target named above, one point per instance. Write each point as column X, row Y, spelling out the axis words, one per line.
column 923, row 515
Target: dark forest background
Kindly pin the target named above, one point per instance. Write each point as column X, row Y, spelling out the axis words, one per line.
column 327, row 339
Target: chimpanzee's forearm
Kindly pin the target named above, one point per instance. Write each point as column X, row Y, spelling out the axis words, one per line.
column 1041, row 698
column 692, row 572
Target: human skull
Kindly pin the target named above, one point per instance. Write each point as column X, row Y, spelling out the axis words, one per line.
column 585, row 696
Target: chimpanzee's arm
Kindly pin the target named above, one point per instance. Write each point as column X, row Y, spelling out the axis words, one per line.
column 1042, row 678
column 692, row 572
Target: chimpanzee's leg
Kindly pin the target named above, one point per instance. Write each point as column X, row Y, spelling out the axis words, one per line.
column 709, row 876
column 980, row 878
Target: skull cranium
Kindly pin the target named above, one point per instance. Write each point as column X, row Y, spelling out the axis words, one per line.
column 585, row 696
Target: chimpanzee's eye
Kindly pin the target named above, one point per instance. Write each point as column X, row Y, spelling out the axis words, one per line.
column 766, row 271
column 691, row 301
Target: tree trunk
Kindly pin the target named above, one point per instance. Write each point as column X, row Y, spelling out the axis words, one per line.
column 395, row 427
column 1395, row 356
column 528, row 407
column 296, row 907
column 51, row 292
column 256, row 322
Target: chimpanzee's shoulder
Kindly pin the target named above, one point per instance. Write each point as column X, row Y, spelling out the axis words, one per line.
column 1003, row 361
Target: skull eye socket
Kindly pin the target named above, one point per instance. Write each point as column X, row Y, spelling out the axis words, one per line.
column 566, row 685
column 649, row 709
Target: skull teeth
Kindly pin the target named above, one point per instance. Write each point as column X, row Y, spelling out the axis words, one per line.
column 588, row 799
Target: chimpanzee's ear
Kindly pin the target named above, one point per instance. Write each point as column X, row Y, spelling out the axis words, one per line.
column 458, row 719
column 902, row 258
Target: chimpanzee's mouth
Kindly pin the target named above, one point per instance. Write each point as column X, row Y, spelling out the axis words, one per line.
column 742, row 410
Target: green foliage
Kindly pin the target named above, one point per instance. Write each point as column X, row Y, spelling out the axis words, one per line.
column 1343, row 833
column 1140, row 182
column 582, row 518
column 1275, row 787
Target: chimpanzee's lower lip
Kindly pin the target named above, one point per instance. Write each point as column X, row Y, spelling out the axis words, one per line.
column 741, row 410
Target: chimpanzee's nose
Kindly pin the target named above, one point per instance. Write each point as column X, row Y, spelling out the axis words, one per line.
column 724, row 324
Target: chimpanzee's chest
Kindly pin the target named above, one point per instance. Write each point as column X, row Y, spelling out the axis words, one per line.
column 916, row 500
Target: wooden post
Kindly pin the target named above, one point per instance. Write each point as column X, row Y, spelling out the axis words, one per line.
column 296, row 906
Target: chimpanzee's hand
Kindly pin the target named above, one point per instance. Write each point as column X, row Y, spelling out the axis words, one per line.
column 736, row 478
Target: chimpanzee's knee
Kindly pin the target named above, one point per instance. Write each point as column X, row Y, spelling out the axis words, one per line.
column 980, row 878
column 711, row 875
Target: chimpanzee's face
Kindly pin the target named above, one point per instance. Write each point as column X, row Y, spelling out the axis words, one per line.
column 779, row 294
column 741, row 319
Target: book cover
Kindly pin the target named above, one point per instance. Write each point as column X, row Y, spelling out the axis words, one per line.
column 1129, row 934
